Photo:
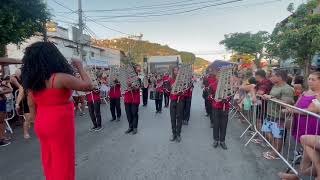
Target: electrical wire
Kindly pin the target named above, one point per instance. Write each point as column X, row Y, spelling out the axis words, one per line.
column 91, row 19
column 176, row 13
column 131, row 19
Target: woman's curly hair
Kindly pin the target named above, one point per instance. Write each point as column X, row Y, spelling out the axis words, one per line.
column 40, row 61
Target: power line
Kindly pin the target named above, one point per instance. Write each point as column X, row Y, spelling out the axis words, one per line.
column 177, row 13
column 91, row 19
column 132, row 20
column 165, row 5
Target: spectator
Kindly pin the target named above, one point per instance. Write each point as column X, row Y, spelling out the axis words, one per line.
column 298, row 86
column 22, row 103
column 310, row 165
column 303, row 124
column 3, row 91
column 263, row 87
column 274, row 123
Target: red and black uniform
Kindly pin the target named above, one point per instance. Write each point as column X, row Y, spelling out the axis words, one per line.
column 176, row 111
column 159, row 91
column 114, row 96
column 187, row 104
column 131, row 104
column 166, row 89
column 206, row 82
column 213, row 82
column 94, row 103
column 220, row 112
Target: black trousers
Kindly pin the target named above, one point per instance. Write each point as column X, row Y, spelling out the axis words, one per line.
column 145, row 96
column 176, row 114
column 166, row 99
column 159, row 102
column 132, row 114
column 208, row 106
column 115, row 106
column 220, row 122
column 95, row 114
column 187, row 108
column 211, row 115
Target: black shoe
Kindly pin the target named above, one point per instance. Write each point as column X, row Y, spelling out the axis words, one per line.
column 4, row 143
column 223, row 145
column 129, row 131
column 135, row 131
column 112, row 120
column 215, row 144
column 99, row 128
column 93, row 128
column 173, row 138
column 178, row 139
column 118, row 118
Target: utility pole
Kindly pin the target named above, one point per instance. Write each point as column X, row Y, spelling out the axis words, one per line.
column 80, row 36
column 45, row 36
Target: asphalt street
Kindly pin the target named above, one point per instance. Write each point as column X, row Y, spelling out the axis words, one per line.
column 112, row 155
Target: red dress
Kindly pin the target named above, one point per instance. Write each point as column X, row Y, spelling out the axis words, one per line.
column 54, row 126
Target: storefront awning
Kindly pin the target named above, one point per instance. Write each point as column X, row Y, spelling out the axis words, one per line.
column 8, row 61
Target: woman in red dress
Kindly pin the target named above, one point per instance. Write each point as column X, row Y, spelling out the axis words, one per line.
column 49, row 79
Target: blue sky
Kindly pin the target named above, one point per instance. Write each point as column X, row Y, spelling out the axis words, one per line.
column 198, row 31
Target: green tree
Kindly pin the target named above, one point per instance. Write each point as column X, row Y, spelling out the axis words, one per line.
column 297, row 37
column 20, row 19
column 247, row 43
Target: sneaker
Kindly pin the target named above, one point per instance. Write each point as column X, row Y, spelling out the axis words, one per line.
column 128, row 131
column 27, row 136
column 93, row 128
column 98, row 129
column 4, row 143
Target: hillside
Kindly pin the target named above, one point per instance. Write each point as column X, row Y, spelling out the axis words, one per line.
column 139, row 49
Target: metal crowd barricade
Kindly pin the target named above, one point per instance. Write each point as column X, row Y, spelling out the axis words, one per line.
column 10, row 117
column 280, row 126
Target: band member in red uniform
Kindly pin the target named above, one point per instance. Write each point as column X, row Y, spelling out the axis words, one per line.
column 145, row 90
column 187, row 104
column 205, row 95
column 166, row 89
column 220, row 115
column 176, row 109
column 114, row 96
column 159, row 92
column 211, row 92
column 131, row 104
column 94, row 103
